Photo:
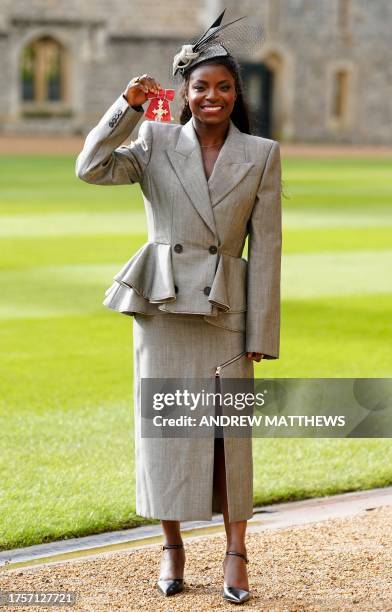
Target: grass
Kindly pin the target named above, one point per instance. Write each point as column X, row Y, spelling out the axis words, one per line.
column 66, row 419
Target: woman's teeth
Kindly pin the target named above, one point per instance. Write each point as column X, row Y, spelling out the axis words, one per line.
column 212, row 109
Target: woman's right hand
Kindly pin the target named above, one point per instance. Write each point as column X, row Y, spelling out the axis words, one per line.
column 138, row 88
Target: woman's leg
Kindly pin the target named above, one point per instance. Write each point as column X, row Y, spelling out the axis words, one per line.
column 173, row 559
column 235, row 571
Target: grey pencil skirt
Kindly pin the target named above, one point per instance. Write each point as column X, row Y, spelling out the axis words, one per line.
column 174, row 476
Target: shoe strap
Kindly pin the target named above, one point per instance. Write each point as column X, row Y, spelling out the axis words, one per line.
column 172, row 546
column 232, row 552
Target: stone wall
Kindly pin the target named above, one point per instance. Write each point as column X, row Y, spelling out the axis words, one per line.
column 306, row 44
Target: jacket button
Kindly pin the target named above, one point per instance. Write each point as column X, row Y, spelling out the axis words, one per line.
column 212, row 249
column 176, row 288
column 178, row 248
column 207, row 290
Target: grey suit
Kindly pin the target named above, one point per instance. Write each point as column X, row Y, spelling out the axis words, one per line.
column 196, row 228
column 190, row 273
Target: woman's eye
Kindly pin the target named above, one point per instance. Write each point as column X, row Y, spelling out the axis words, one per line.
column 199, row 87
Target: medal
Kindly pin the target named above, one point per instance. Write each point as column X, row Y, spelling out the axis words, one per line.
column 159, row 108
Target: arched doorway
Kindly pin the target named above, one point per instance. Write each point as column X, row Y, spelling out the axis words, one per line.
column 258, row 82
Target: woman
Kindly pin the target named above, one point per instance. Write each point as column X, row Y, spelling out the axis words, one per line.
column 207, row 184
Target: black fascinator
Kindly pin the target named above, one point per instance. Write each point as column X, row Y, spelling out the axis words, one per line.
column 237, row 37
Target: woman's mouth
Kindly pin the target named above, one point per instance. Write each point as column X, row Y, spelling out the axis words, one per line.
column 212, row 109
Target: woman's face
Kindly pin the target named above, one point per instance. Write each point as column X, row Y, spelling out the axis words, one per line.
column 211, row 93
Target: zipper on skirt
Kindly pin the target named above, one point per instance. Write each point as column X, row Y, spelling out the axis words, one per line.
column 226, row 363
column 219, row 433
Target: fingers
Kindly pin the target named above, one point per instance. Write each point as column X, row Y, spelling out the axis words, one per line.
column 254, row 356
column 139, row 87
column 147, row 83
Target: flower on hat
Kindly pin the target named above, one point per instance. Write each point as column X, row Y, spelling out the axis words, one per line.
column 184, row 57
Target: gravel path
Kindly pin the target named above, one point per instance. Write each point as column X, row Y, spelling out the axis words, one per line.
column 337, row 565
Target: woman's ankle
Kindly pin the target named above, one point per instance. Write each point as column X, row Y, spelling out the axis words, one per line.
column 239, row 547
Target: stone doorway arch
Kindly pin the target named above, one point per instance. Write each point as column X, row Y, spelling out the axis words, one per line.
column 259, row 87
column 274, row 101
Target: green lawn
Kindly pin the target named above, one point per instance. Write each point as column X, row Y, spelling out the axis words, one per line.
column 66, row 442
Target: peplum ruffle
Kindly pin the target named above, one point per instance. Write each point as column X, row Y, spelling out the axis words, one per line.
column 147, row 281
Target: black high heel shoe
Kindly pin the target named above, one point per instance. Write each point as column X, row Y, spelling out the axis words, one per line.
column 234, row 594
column 171, row 586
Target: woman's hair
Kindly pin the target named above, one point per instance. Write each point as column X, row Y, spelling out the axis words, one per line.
column 240, row 114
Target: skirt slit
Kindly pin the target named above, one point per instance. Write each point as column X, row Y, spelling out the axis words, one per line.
column 175, row 476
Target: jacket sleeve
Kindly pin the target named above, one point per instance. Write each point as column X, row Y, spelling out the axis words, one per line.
column 100, row 162
column 264, row 262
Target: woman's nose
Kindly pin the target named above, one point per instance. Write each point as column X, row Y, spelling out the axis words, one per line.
column 212, row 97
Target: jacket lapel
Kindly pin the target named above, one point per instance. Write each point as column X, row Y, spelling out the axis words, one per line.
column 229, row 169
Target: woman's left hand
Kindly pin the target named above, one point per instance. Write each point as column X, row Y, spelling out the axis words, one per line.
column 254, row 356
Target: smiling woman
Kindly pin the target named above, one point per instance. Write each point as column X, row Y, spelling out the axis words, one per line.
column 198, row 305
column 210, row 93
column 215, row 82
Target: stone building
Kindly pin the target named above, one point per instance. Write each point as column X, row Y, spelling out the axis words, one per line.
column 324, row 73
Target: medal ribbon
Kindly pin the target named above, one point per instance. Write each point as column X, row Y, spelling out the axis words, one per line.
column 159, row 108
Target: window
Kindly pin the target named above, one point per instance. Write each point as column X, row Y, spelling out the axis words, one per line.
column 341, row 108
column 340, row 95
column 42, row 71
column 28, row 74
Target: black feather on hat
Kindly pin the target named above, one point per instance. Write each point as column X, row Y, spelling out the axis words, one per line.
column 210, row 44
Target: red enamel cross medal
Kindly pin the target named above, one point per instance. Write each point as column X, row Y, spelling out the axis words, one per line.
column 159, row 108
